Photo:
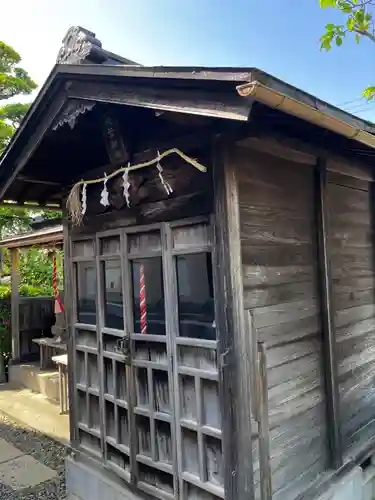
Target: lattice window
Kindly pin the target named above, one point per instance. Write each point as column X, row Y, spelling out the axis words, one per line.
column 146, row 369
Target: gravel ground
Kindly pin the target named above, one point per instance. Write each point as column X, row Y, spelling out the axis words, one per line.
column 43, row 449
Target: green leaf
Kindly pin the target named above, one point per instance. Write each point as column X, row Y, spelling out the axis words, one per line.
column 340, row 31
column 330, row 27
column 338, row 41
column 369, row 93
column 327, row 3
column 350, row 24
column 357, row 38
column 325, row 44
column 346, row 7
column 360, row 15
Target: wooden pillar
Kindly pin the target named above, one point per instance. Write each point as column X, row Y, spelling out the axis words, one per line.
column 68, row 301
column 15, row 303
column 234, row 344
column 327, row 312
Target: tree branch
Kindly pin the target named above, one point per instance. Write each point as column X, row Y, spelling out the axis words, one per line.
column 366, row 34
column 360, row 5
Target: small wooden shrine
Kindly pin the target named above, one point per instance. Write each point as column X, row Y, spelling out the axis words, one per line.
column 219, row 253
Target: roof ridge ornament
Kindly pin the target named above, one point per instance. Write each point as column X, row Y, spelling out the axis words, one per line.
column 79, row 46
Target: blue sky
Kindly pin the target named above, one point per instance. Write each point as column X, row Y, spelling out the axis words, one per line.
column 278, row 36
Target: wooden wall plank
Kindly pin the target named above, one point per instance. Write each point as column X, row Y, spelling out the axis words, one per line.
column 304, row 153
column 353, row 271
column 279, row 257
column 350, row 169
column 263, row 296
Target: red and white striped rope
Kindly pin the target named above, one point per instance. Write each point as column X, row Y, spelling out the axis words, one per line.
column 58, row 304
column 143, row 302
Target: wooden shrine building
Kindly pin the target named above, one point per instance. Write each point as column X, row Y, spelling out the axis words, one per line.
column 221, row 300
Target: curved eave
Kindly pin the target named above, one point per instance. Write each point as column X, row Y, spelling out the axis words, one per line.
column 351, row 129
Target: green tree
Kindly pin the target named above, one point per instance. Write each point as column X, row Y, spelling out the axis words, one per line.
column 14, row 221
column 36, row 268
column 14, row 81
column 358, row 22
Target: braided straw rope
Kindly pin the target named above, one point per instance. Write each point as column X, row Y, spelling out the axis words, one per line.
column 73, row 202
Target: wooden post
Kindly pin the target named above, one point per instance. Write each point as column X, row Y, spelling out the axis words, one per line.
column 329, row 334
column 264, row 428
column 15, row 304
column 234, row 345
column 68, row 292
column 3, row 378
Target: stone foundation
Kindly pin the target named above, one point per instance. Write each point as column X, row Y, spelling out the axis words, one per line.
column 358, row 484
column 86, row 482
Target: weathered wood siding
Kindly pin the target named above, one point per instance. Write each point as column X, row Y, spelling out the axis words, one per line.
column 36, row 317
column 353, row 286
column 36, row 313
column 279, row 254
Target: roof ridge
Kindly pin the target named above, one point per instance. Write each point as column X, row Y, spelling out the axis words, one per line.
column 80, row 46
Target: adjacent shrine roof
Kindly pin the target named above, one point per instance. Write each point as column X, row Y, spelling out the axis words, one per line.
column 49, row 236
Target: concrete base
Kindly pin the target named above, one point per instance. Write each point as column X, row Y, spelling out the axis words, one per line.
column 369, row 482
column 358, row 484
column 86, row 482
column 348, row 487
column 30, row 376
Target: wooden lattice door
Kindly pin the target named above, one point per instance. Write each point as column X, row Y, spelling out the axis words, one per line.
column 157, row 414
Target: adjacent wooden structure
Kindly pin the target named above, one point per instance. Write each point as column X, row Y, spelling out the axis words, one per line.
column 29, row 315
column 256, row 371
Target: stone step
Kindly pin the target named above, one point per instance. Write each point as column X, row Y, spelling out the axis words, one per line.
column 30, row 376
column 34, row 410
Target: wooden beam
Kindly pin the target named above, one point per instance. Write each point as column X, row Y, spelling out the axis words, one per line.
column 146, row 151
column 184, row 142
column 48, row 194
column 24, row 178
column 327, row 313
column 113, row 138
column 192, row 101
column 23, row 194
column 305, row 151
column 273, row 147
column 15, row 303
column 33, row 142
column 234, row 345
column 31, row 206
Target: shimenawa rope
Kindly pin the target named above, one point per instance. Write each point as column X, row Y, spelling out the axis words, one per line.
column 74, row 204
